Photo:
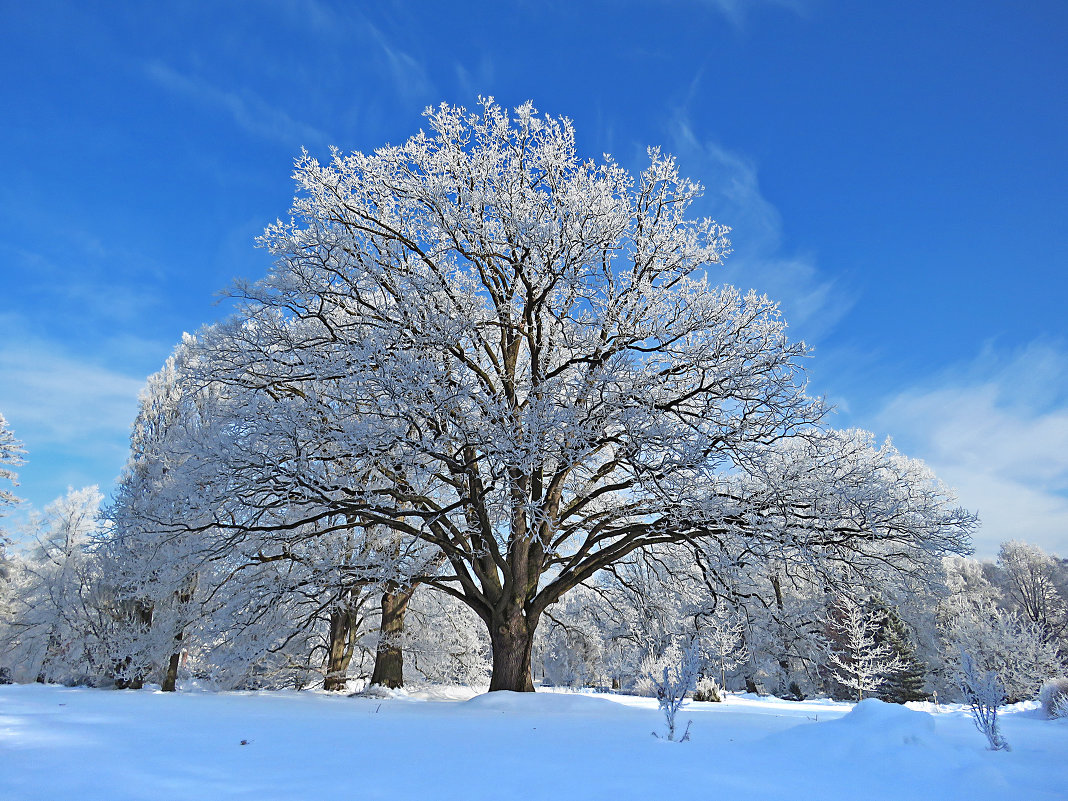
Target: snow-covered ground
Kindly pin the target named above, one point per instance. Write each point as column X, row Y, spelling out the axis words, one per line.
column 58, row 743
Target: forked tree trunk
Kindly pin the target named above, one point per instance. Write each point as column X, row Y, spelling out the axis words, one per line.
column 512, row 637
column 389, row 656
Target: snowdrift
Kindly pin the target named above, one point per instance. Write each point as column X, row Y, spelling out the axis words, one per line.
column 872, row 726
column 543, row 703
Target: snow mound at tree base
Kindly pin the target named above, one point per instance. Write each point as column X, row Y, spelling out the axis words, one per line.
column 872, row 726
column 543, row 703
column 889, row 723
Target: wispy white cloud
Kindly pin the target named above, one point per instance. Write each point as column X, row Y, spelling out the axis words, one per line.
column 406, row 73
column 996, row 430
column 247, row 110
column 478, row 79
column 54, row 397
column 812, row 302
column 737, row 11
column 72, row 414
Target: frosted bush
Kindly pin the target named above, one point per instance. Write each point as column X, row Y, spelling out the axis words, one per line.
column 673, row 685
column 1054, row 698
column 707, row 691
column 984, row 693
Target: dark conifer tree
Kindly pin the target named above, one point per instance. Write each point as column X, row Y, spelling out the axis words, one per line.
column 908, row 682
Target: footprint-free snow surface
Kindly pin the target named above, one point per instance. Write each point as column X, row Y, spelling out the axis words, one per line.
column 59, row 743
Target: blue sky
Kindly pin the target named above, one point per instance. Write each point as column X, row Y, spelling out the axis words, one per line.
column 895, row 174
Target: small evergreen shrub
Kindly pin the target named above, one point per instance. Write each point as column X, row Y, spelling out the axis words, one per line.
column 707, row 691
column 1054, row 698
column 793, row 692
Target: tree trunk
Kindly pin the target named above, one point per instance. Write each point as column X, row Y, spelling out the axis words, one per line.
column 337, row 659
column 389, row 657
column 512, row 637
column 784, row 658
column 171, row 679
column 184, row 596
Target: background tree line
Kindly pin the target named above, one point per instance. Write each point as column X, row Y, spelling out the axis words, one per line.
column 83, row 607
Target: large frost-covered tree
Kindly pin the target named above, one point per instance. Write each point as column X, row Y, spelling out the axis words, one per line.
column 1029, row 578
column 514, row 356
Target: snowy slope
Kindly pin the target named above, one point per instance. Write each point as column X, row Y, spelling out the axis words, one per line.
column 58, row 743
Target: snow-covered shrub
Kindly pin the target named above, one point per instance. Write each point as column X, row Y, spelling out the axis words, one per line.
column 645, row 683
column 676, row 681
column 984, row 693
column 1054, row 698
column 377, row 691
column 707, row 691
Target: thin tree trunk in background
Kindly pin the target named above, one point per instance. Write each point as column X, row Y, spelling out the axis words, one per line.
column 784, row 660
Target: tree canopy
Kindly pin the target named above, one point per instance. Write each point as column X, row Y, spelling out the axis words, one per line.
column 517, row 359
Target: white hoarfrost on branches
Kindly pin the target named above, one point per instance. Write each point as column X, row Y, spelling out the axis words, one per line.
column 1030, row 578
column 834, row 502
column 276, row 605
column 984, row 693
column 1054, row 697
column 999, row 640
column 53, row 633
column 513, row 361
column 861, row 662
column 674, row 682
column 11, row 456
column 723, row 642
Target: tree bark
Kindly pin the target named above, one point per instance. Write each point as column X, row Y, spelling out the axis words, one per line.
column 183, row 596
column 171, row 679
column 337, row 659
column 389, row 656
column 783, row 658
column 512, row 637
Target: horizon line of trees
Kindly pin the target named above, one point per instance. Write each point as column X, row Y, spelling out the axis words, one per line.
column 69, row 618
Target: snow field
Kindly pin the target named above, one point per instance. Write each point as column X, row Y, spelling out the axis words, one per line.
column 61, row 743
